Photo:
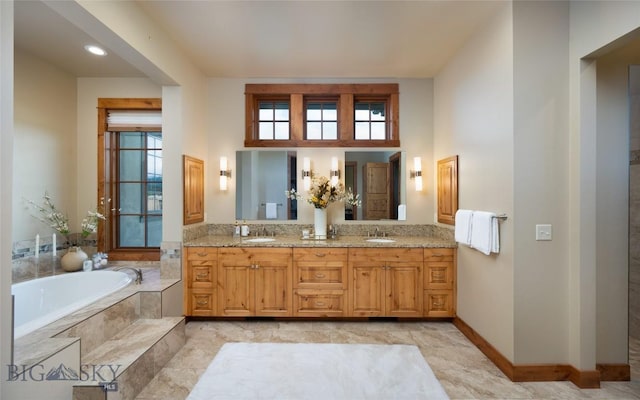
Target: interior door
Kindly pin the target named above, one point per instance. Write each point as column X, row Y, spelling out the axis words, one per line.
column 376, row 199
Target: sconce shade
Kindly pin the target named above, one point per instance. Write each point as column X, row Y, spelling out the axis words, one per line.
column 223, row 173
column 306, row 173
column 334, row 173
column 417, row 171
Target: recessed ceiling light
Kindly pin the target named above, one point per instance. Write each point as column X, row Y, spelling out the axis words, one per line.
column 98, row 51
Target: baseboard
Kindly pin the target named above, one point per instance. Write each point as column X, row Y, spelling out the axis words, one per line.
column 614, row 372
column 583, row 379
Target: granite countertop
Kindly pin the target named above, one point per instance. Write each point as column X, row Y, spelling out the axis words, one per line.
column 341, row 241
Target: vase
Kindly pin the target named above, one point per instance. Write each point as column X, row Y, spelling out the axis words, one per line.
column 320, row 223
column 73, row 259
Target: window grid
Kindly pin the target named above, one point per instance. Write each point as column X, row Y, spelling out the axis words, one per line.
column 273, row 120
column 321, row 120
column 370, row 121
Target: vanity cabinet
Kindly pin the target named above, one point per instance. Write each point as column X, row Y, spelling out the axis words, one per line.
column 254, row 282
column 439, row 282
column 200, row 275
column 385, row 282
column 319, row 282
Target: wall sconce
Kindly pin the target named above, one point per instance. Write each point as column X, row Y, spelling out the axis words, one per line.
column 225, row 174
column 334, row 173
column 417, row 173
column 306, row 173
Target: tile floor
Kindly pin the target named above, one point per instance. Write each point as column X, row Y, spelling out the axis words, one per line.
column 463, row 370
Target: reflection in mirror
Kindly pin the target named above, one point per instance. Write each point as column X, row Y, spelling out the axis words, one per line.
column 377, row 177
column 263, row 176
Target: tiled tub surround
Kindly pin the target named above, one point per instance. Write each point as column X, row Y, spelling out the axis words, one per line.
column 98, row 320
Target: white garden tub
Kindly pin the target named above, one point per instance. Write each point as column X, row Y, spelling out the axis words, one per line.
column 39, row 302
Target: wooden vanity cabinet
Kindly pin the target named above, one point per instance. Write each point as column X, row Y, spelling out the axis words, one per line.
column 200, row 275
column 319, row 282
column 439, row 282
column 254, row 282
column 385, row 282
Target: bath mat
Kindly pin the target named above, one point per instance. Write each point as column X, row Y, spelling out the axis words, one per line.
column 307, row 371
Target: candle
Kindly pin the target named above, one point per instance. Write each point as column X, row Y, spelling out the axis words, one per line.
column 53, row 244
column 37, row 245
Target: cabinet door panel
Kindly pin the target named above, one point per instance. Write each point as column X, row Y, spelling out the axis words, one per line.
column 439, row 303
column 273, row 296
column 404, row 290
column 367, row 291
column 235, row 294
column 318, row 303
column 438, row 275
column 202, row 304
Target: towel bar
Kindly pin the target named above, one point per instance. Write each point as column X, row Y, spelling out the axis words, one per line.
column 265, row 204
column 501, row 217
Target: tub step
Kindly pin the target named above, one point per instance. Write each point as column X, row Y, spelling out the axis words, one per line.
column 122, row 366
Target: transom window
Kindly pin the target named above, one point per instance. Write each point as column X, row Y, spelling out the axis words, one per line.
column 273, row 120
column 322, row 120
column 322, row 115
column 370, row 120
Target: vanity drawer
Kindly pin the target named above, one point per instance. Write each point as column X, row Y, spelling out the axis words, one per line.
column 319, row 254
column 438, row 275
column 202, row 303
column 319, row 303
column 380, row 256
column 439, row 254
column 202, row 274
column 202, row 253
column 438, row 303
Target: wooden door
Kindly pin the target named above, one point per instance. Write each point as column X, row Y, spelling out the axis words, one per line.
column 235, row 283
column 273, row 274
column 376, row 191
column 367, row 290
column 404, row 290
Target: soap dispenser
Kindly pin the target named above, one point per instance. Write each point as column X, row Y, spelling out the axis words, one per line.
column 236, row 231
column 244, row 230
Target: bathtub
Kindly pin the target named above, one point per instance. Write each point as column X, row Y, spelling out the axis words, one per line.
column 39, row 302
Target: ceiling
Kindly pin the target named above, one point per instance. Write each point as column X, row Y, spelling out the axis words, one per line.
column 276, row 39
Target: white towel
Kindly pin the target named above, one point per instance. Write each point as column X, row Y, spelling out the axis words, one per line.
column 271, row 210
column 463, row 226
column 485, row 236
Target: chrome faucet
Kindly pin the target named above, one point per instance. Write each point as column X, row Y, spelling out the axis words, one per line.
column 138, row 272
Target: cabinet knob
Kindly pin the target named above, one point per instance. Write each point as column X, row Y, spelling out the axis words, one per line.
column 320, row 303
column 201, row 254
column 321, row 254
column 202, row 276
column 319, row 275
column 203, row 302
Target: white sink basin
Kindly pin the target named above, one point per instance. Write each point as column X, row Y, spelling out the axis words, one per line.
column 380, row 240
column 259, row 240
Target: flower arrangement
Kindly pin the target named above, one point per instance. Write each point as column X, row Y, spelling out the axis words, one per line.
column 322, row 193
column 51, row 216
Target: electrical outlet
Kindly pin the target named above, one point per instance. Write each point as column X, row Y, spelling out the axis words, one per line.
column 543, row 232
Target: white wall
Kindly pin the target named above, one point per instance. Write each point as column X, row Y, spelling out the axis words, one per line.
column 473, row 118
column 45, row 144
column 226, row 136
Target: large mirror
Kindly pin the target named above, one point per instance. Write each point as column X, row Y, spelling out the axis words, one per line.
column 263, row 176
column 377, row 176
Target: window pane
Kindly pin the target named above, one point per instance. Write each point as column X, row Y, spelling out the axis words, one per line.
column 362, row 131
column 282, row 130
column 282, row 112
column 131, row 231
column 154, row 197
column 265, row 131
column 265, row 112
column 131, row 198
column 132, row 140
column 154, row 141
column 131, row 165
column 362, row 111
column 314, row 131
column 378, row 130
column 377, row 111
column 314, row 112
column 329, row 130
column 154, row 232
column 330, row 112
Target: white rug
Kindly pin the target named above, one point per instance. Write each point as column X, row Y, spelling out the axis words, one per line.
column 295, row 371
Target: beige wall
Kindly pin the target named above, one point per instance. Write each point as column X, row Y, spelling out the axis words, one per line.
column 45, row 144
column 226, row 136
column 474, row 119
column 6, row 180
column 540, row 179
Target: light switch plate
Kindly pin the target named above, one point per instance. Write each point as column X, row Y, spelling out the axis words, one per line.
column 543, row 232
